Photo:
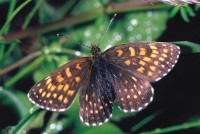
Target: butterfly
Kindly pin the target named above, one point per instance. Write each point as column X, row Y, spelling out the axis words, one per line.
column 121, row 74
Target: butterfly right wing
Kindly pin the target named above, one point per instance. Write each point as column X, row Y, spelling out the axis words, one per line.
column 150, row 60
column 57, row 91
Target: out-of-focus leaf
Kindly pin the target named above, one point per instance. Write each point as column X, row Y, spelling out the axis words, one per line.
column 193, row 47
column 190, row 11
column 184, row 14
column 47, row 13
column 24, row 123
column 16, row 100
column 83, row 6
column 174, row 11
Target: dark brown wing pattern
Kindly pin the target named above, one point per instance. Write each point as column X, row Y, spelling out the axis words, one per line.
column 57, row 91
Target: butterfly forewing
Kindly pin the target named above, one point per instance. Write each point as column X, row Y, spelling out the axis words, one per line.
column 150, row 60
column 57, row 91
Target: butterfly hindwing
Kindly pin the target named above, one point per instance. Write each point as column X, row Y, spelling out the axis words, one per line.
column 57, row 91
column 150, row 60
column 132, row 93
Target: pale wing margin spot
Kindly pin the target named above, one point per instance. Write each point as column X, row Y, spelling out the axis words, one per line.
column 133, row 110
column 152, row 90
column 95, row 124
column 140, row 108
column 125, row 111
column 146, row 104
column 151, row 99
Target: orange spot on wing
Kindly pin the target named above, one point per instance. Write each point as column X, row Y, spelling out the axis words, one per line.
column 66, row 87
column 147, row 59
column 149, row 73
column 120, row 52
column 141, row 69
column 165, row 50
column 55, row 95
column 156, row 63
column 153, row 68
column 59, row 78
column 68, row 73
column 132, row 51
column 48, row 95
column 78, row 67
column 155, row 52
column 60, row 87
column 77, row 79
column 70, row 92
column 53, row 88
column 60, row 97
column 153, row 47
column 43, row 94
column 49, row 85
column 48, row 81
column 40, row 90
column 161, row 59
column 141, row 62
column 127, row 62
column 153, row 55
column 65, row 100
column 142, row 51
column 164, row 55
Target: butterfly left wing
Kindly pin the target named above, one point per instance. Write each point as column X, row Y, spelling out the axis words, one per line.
column 150, row 60
column 57, row 91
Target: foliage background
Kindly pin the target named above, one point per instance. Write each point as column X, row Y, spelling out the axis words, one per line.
column 30, row 49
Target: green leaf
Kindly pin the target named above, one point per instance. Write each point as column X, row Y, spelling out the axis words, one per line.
column 185, row 45
column 174, row 11
column 190, row 11
column 184, row 14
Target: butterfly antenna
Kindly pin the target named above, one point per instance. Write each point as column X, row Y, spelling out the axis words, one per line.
column 61, row 35
column 107, row 28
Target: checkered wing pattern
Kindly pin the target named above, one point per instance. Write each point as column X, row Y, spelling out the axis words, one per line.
column 149, row 60
column 57, row 91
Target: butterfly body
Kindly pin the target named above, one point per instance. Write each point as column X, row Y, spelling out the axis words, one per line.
column 121, row 74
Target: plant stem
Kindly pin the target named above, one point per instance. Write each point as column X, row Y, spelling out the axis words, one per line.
column 20, row 62
column 174, row 128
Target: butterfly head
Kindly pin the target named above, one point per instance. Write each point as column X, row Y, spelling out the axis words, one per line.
column 95, row 49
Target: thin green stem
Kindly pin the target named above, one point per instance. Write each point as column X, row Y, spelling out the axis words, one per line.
column 25, row 122
column 10, row 11
column 13, row 15
column 24, row 71
column 144, row 121
column 31, row 14
column 174, row 128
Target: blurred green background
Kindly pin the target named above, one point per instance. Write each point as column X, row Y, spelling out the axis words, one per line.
column 30, row 50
